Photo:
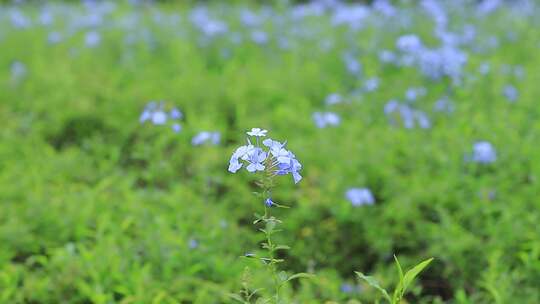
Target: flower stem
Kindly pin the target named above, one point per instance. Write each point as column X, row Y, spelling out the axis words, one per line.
column 271, row 252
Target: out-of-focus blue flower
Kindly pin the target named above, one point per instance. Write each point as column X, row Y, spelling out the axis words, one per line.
column 259, row 37
column 486, row 7
column 205, row 136
column 371, row 84
column 333, row 99
column 483, row 153
column 386, row 56
column 348, row 288
column 351, row 15
column 510, row 92
column 156, row 114
column 54, row 37
column 268, row 202
column 384, row 7
column 324, row 119
column 207, row 25
column 484, row 68
column 46, row 18
column 18, row 70
column 92, row 39
column 326, row 45
column 159, row 117
column 409, row 116
column 193, row 244
column 248, row 18
column 445, row 61
column 422, row 119
column 519, row 72
column 409, row 43
column 444, row 105
column 360, row 196
column 391, row 107
column 414, row 93
column 176, row 127
column 436, row 11
column 175, row 113
column 352, row 64
column 18, row 19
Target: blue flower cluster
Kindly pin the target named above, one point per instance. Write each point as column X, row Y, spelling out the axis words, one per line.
column 324, row 119
column 155, row 113
column 410, row 117
column 203, row 137
column 271, row 157
column 483, row 153
column 360, row 196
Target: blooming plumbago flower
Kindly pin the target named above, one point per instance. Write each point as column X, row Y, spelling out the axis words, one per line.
column 271, row 157
column 324, row 119
column 257, row 132
column 241, row 153
column 360, row 196
column 256, row 158
column 205, row 136
column 483, row 153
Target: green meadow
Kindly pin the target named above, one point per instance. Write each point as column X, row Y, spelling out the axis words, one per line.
column 98, row 205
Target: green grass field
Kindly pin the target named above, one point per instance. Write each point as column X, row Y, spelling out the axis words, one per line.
column 97, row 207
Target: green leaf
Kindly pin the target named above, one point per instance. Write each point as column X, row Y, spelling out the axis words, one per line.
column 373, row 283
column 399, row 291
column 270, row 226
column 299, row 276
column 412, row 273
column 282, row 247
column 281, row 206
column 236, row 297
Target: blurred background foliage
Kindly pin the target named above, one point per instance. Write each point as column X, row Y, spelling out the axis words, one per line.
column 96, row 207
